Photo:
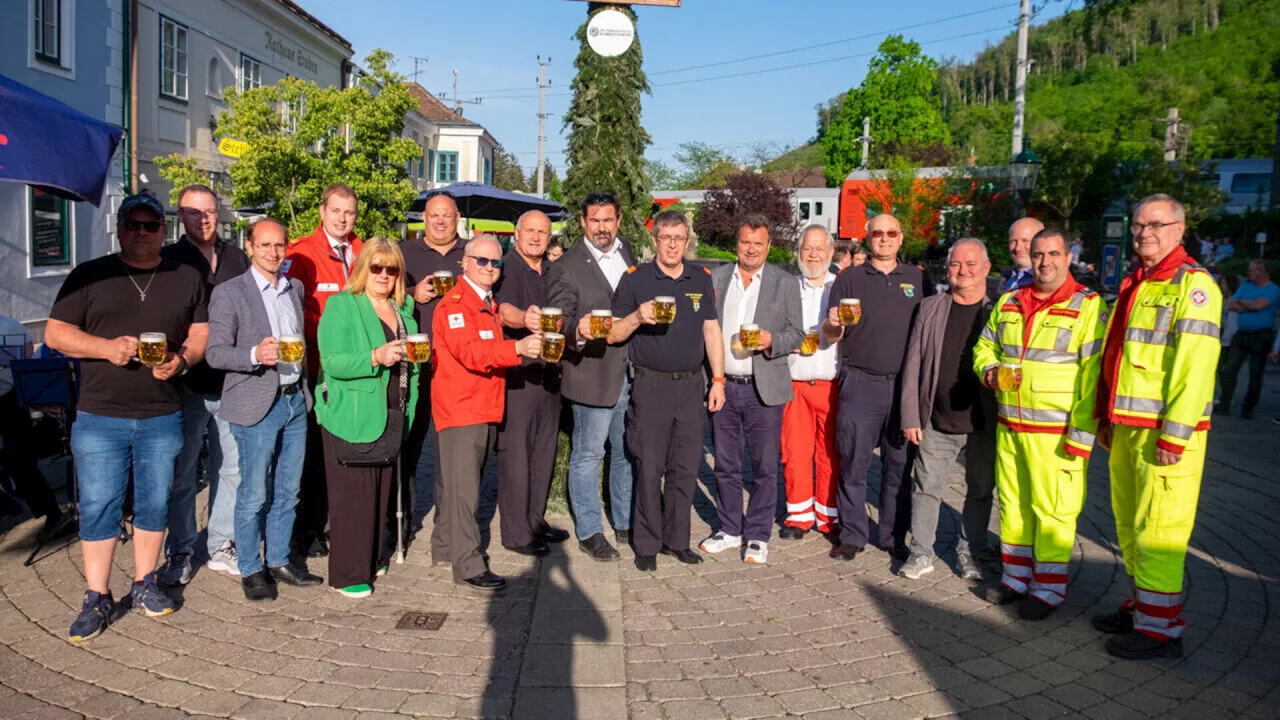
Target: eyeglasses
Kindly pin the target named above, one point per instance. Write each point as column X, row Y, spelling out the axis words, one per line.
column 890, row 234
column 147, row 225
column 671, row 239
column 1138, row 228
column 193, row 212
column 277, row 248
column 391, row 271
column 487, row 262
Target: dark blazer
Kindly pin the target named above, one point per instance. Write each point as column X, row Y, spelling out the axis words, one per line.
column 592, row 374
column 778, row 310
column 924, row 352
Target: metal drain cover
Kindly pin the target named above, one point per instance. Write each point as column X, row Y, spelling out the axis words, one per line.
column 421, row 621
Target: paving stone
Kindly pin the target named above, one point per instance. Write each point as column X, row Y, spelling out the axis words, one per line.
column 888, row 710
column 692, row 710
column 541, row 703
column 749, row 707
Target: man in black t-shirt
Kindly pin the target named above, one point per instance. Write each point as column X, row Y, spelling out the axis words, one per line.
column 129, row 415
column 946, row 409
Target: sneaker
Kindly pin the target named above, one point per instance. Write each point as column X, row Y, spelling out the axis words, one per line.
column 1140, row 646
column 720, row 542
column 94, row 616
column 355, row 592
column 966, row 568
column 916, row 567
column 224, row 559
column 757, row 553
column 381, row 571
column 148, row 597
column 177, row 569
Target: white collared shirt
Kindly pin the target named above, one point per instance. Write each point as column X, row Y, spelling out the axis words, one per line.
column 611, row 263
column 280, row 313
column 739, row 308
column 822, row 364
column 341, row 248
column 485, row 295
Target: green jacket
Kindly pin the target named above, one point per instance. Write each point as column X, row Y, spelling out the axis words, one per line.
column 355, row 408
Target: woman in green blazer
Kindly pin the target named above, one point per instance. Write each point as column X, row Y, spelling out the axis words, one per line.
column 361, row 338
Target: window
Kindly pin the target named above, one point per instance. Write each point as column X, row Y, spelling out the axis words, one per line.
column 213, row 78
column 173, row 59
column 172, row 229
column 431, row 164
column 291, row 110
column 804, row 211
column 250, row 73
column 1251, row 183
column 422, row 163
column 488, row 171
column 447, row 166
column 47, row 15
column 50, row 230
column 817, row 208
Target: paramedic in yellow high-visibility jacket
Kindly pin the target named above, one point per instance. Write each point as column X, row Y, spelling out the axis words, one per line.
column 1051, row 332
column 1155, row 396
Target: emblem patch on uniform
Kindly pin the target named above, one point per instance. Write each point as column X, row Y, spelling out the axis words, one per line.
column 284, row 266
column 1199, row 298
column 486, row 334
column 908, row 289
column 456, row 321
column 697, row 300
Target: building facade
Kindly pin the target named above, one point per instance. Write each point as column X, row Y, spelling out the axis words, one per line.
column 454, row 149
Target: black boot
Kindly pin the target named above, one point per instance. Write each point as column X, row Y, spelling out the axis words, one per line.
column 1140, row 646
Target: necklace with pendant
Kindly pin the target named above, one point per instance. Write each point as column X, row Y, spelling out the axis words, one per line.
column 142, row 291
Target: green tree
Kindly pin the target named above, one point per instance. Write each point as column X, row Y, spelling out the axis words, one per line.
column 507, row 174
column 551, row 184
column 916, row 202
column 180, row 171
column 699, row 162
column 899, row 96
column 1076, row 176
column 1192, row 183
column 661, row 175
column 303, row 138
column 606, row 139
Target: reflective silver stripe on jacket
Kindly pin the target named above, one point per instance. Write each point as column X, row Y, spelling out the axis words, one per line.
column 1089, row 349
column 1080, row 437
column 1149, row 337
column 1197, row 327
column 1050, row 356
column 1014, row 412
column 1124, row 402
column 1178, row 430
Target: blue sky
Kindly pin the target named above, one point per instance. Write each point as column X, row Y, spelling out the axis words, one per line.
column 494, row 44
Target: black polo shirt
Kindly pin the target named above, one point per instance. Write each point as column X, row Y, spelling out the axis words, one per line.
column 421, row 262
column 232, row 262
column 878, row 343
column 679, row 346
column 521, row 286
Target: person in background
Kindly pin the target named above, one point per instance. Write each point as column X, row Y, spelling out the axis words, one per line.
column 1228, row 284
column 555, row 251
column 16, row 458
column 1020, row 234
column 1077, row 250
column 840, row 260
column 858, row 255
column 1255, row 306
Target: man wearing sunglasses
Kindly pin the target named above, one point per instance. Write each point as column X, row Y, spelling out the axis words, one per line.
column 129, row 415
column 871, row 356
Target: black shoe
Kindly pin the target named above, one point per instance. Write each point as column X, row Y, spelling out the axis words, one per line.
column 316, row 548
column 1220, row 409
column 844, row 552
column 896, row 551
column 686, row 556
column 1116, row 623
column 259, row 586
column 791, row 533
column 1033, row 608
column 622, row 536
column 1139, row 646
column 647, row 563
column 296, row 575
column 550, row 534
column 1002, row 595
column 484, row 581
column 598, row 548
column 537, row 548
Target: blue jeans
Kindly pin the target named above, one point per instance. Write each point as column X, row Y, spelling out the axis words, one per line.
column 105, row 450
column 200, row 413
column 271, row 455
column 592, row 426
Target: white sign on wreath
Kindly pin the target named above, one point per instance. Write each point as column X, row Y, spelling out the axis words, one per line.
column 610, row 33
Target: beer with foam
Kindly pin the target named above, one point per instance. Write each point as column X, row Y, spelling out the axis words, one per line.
column 441, row 282
column 153, row 348
column 417, row 348
column 850, row 311
column 552, row 347
column 292, row 348
column 664, row 309
column 601, row 323
column 552, row 320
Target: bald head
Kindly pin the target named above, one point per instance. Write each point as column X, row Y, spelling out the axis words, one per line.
column 440, row 220
column 884, row 238
column 533, row 233
column 1020, row 234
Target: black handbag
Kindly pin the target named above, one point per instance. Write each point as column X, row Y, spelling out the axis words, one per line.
column 383, row 451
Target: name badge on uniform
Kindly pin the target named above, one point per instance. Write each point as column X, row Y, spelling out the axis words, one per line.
column 486, row 334
column 456, row 321
column 327, row 287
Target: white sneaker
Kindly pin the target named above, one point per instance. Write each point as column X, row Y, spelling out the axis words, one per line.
column 224, row 559
column 916, row 567
column 757, row 553
column 720, row 542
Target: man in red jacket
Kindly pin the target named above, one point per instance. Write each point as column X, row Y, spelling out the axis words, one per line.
column 321, row 261
column 467, row 402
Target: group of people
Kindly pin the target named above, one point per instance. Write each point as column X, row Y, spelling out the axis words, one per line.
column 371, row 349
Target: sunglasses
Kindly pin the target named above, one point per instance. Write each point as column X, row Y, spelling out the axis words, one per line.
column 487, row 262
column 147, row 225
column 390, row 270
column 891, row 234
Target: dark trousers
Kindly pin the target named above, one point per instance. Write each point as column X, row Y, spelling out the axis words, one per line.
column 868, row 416
column 1251, row 345
column 313, row 495
column 18, row 457
column 419, row 435
column 456, row 536
column 526, row 458
column 358, row 500
column 744, row 419
column 665, row 425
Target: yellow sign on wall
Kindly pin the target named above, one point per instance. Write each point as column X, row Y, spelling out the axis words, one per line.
column 233, row 148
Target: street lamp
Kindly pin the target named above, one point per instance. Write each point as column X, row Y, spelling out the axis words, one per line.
column 1025, row 170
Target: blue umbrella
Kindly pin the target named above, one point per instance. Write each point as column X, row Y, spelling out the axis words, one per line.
column 52, row 146
column 485, row 202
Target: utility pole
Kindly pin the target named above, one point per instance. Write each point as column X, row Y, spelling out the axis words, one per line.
column 1171, row 133
column 866, row 141
column 416, row 61
column 543, row 84
column 1020, row 85
column 457, row 101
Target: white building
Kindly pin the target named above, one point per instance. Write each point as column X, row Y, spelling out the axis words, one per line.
column 454, row 149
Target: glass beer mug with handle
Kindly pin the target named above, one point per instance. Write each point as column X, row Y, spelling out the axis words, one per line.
column 810, row 344
column 552, row 320
column 601, row 323
column 153, row 348
column 850, row 311
column 749, row 336
column 417, row 348
column 441, row 282
column 664, row 309
column 292, row 349
column 1009, row 376
column 552, row 347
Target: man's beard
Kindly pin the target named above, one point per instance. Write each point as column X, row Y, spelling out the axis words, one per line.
column 602, row 241
column 821, row 270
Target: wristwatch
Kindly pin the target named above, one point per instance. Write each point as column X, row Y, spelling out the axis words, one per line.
column 185, row 366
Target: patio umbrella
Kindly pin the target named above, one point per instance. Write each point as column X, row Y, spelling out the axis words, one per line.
column 52, row 146
column 478, row 201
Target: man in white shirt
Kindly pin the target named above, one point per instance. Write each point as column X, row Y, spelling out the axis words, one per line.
column 809, row 455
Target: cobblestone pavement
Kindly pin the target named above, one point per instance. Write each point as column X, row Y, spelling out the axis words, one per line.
column 805, row 636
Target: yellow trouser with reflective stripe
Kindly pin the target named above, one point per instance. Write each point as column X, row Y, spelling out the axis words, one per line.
column 1155, row 509
column 1041, row 494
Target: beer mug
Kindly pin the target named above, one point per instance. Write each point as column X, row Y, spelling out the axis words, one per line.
column 810, row 344
column 292, row 349
column 664, row 309
column 1009, row 377
column 601, row 323
column 750, row 336
column 441, row 282
column 850, row 311
column 552, row 347
column 552, row 320
column 152, row 348
column 417, row 348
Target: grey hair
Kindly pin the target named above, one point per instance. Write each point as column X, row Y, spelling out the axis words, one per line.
column 969, row 241
column 1179, row 210
column 670, row 218
column 816, row 227
column 482, row 238
column 531, row 213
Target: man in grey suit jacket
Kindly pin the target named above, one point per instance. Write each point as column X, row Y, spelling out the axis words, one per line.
column 266, row 400
column 757, row 386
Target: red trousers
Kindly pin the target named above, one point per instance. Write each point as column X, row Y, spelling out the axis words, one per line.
column 809, row 454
